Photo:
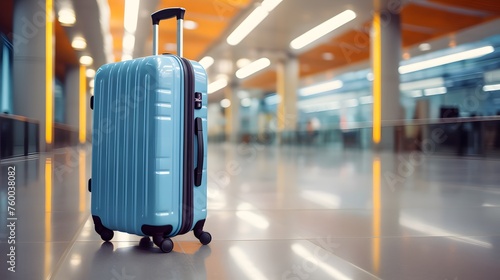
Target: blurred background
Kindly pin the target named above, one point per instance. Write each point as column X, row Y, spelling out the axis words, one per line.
column 348, row 139
column 353, row 74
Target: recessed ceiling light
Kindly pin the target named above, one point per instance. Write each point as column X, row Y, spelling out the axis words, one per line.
column 86, row 60
column 91, row 83
column 328, row 56
column 424, row 47
column 190, row 25
column 242, row 94
column 246, row 102
column 79, row 43
column 225, row 66
column 66, row 17
column 369, row 77
column 90, row 73
column 225, row 103
column 170, row 46
column 452, row 43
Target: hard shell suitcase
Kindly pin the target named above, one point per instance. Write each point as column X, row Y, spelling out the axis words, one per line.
column 148, row 145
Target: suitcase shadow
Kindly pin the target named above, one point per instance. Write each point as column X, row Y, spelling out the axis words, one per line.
column 146, row 261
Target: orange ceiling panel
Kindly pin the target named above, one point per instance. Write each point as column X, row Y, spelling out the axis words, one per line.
column 489, row 6
column 419, row 24
column 442, row 22
column 411, row 37
column 350, row 47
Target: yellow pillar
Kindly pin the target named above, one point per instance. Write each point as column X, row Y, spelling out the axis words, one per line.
column 385, row 56
column 286, row 86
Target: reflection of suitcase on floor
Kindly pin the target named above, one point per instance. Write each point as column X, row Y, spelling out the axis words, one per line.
column 148, row 155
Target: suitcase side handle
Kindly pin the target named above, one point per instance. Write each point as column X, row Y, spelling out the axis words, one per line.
column 198, row 171
column 160, row 15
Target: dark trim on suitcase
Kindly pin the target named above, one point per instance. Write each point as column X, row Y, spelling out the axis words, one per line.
column 156, row 230
column 188, row 167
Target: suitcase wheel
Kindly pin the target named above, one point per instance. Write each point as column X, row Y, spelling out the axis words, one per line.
column 204, row 237
column 166, row 245
column 145, row 242
column 106, row 234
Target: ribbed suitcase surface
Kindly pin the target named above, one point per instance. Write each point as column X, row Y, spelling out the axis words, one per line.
column 138, row 147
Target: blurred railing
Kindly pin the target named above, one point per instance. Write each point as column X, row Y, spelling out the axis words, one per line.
column 477, row 136
column 19, row 136
column 65, row 135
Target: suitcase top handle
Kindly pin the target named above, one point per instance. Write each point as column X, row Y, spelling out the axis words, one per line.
column 167, row 14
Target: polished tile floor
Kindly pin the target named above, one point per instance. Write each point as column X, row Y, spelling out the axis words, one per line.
column 274, row 213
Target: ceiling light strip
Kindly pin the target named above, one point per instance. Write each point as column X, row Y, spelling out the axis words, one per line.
column 435, row 91
column 217, row 85
column 252, row 21
column 324, row 87
column 104, row 18
column 323, row 29
column 253, row 68
column 446, row 59
column 130, row 24
column 493, row 87
column 206, row 62
column 249, row 24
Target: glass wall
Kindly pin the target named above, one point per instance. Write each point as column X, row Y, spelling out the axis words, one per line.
column 5, row 75
column 462, row 81
column 59, row 102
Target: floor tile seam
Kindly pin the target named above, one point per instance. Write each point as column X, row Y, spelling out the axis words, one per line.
column 64, row 255
column 464, row 158
column 345, row 260
column 405, row 236
column 39, row 242
column 19, row 159
column 300, row 209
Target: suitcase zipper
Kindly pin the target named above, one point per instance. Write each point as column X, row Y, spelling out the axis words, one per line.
column 188, row 167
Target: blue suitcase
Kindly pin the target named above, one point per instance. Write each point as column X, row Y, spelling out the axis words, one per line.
column 148, row 145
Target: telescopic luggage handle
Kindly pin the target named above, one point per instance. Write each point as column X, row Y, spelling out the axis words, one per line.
column 167, row 14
